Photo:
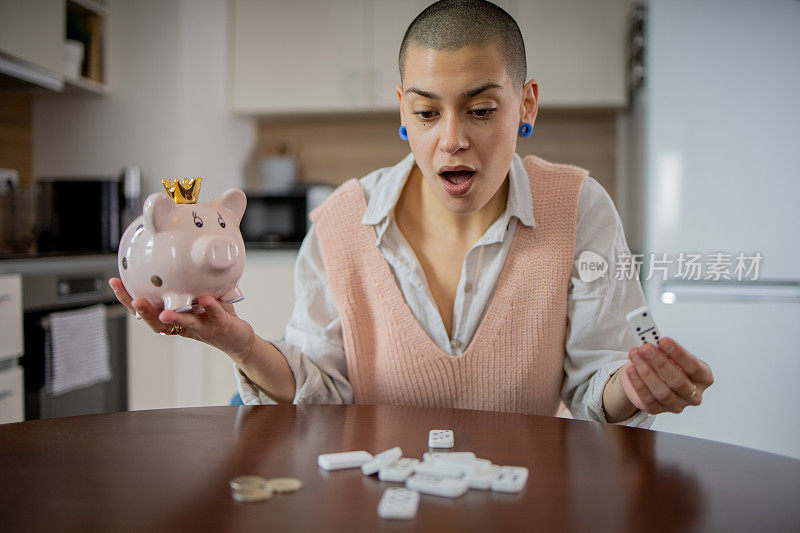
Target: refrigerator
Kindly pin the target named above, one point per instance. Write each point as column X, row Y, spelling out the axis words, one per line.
column 713, row 169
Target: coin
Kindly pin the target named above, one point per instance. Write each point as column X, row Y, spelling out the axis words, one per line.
column 252, row 494
column 247, row 482
column 285, row 484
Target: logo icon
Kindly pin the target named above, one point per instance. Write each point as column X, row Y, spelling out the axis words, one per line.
column 591, row 266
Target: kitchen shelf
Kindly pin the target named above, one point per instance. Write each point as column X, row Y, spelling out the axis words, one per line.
column 86, row 23
column 94, row 6
column 84, row 86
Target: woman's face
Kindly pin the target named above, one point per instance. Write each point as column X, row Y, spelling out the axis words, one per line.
column 463, row 112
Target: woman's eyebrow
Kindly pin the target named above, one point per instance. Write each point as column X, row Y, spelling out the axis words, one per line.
column 469, row 93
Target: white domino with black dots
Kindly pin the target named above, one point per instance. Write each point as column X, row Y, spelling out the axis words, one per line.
column 446, row 474
column 441, row 438
column 643, row 326
column 398, row 503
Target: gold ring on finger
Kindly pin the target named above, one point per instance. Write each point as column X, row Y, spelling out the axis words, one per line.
column 693, row 392
column 174, row 330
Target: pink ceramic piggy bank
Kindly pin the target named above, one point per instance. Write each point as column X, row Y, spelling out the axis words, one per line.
column 178, row 250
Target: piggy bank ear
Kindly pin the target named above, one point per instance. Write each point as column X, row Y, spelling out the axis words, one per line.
column 233, row 200
column 157, row 210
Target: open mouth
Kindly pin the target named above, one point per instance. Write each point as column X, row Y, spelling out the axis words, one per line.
column 457, row 182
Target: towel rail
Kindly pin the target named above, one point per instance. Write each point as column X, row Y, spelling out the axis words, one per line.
column 113, row 311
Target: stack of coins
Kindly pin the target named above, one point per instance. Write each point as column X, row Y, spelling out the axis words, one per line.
column 249, row 489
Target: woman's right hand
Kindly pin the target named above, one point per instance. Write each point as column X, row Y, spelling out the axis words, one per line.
column 217, row 326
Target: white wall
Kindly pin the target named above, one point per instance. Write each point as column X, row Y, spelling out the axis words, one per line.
column 166, row 112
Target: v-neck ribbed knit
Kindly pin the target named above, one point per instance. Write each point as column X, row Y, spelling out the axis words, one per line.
column 514, row 362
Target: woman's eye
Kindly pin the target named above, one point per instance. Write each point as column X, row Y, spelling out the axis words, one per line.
column 483, row 113
column 425, row 115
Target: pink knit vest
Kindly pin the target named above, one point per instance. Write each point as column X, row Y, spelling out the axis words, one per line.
column 515, row 361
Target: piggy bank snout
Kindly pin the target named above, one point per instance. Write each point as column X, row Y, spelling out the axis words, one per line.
column 216, row 252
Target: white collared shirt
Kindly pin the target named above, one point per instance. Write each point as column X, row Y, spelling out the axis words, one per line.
column 598, row 338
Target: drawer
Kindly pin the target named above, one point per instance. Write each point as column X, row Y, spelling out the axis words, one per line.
column 11, row 402
column 11, row 315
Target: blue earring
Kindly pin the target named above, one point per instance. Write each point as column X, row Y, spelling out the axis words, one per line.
column 403, row 133
column 526, row 130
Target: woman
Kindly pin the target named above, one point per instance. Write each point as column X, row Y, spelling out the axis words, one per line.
column 449, row 279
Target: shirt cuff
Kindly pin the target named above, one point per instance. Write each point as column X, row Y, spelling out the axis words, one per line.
column 307, row 384
column 640, row 419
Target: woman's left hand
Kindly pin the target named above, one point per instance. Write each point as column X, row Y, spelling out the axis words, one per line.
column 665, row 378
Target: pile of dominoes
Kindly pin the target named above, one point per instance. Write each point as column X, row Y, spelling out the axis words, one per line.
column 440, row 473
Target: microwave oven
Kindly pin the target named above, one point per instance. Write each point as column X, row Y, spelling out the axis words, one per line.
column 277, row 220
column 79, row 214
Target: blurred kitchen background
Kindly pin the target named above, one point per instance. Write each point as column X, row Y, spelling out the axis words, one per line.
column 684, row 110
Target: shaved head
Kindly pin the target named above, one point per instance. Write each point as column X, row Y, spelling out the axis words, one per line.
column 450, row 25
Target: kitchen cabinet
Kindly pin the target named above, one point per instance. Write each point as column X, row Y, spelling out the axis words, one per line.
column 33, row 32
column 11, row 395
column 296, row 56
column 11, row 316
column 575, row 51
column 345, row 59
column 32, row 43
column 11, row 382
column 268, row 286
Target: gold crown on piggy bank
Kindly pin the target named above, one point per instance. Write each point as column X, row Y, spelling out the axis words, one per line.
column 183, row 191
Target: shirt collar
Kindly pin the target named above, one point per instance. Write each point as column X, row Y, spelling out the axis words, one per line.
column 390, row 185
column 387, row 191
column 520, row 199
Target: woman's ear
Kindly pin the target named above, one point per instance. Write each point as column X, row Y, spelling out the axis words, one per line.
column 399, row 90
column 529, row 106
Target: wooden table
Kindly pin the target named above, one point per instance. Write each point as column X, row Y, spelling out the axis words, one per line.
column 168, row 470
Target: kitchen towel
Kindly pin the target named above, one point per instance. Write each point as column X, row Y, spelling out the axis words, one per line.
column 76, row 345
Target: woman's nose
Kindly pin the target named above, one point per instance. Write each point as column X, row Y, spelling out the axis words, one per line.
column 453, row 137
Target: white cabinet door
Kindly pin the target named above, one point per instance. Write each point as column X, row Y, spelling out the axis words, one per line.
column 575, row 51
column 341, row 55
column 268, row 286
column 390, row 19
column 33, row 31
column 295, row 56
column 151, row 368
column 11, row 404
column 11, row 315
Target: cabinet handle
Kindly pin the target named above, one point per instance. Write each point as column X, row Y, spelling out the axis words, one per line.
column 4, row 393
column 734, row 291
column 4, row 297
